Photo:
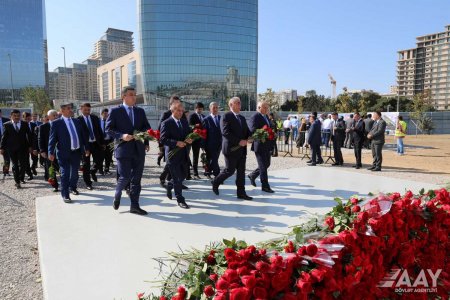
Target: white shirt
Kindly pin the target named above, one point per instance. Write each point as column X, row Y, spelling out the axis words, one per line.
column 17, row 125
column 87, row 119
column 327, row 124
column 287, row 124
column 67, row 121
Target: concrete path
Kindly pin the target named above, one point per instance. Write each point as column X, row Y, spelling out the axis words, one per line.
column 89, row 251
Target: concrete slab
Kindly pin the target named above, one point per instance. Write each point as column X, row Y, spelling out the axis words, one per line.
column 89, row 251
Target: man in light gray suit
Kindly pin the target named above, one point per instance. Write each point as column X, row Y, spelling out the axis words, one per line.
column 376, row 135
column 348, row 134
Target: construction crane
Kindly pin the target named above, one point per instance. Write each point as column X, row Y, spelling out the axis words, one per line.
column 333, row 87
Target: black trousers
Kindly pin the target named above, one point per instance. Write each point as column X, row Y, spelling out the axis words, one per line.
column 19, row 160
column 212, row 155
column 377, row 153
column 233, row 163
column 178, row 174
column 195, row 155
column 316, row 155
column 107, row 156
column 337, row 144
column 97, row 157
column 263, row 160
column 358, row 149
column 6, row 159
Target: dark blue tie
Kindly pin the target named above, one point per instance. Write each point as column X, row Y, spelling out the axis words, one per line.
column 130, row 114
column 216, row 119
column 91, row 132
column 239, row 120
column 74, row 135
column 179, row 124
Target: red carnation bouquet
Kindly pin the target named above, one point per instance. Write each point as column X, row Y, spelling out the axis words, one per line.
column 142, row 136
column 5, row 170
column 261, row 135
column 196, row 134
column 52, row 176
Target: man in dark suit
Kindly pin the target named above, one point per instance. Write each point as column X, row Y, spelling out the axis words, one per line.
column 173, row 135
column 368, row 124
column 43, row 139
column 235, row 133
column 107, row 140
column 376, row 135
column 6, row 159
column 262, row 150
column 31, row 168
column 91, row 126
column 67, row 143
column 337, row 136
column 196, row 119
column 122, row 122
column 16, row 141
column 164, row 116
column 213, row 142
column 348, row 135
column 35, row 119
column 314, row 140
column 358, row 133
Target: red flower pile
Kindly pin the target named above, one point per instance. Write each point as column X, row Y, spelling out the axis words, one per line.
column 363, row 244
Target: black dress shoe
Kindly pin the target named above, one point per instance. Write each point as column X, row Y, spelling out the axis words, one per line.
column 184, row 187
column 30, row 177
column 244, row 197
column 376, row 170
column 354, row 166
column 371, row 168
column 215, row 189
column 18, row 186
column 196, row 176
column 189, row 177
column 67, row 200
column 138, row 211
column 312, row 164
column 336, row 164
column 169, row 192
column 116, row 203
column 55, row 190
column 162, row 183
column 22, row 181
column 268, row 190
column 309, row 161
column 252, row 181
column 34, row 171
column 357, row 167
column 183, row 205
column 75, row 192
column 94, row 176
column 89, row 187
column 320, row 162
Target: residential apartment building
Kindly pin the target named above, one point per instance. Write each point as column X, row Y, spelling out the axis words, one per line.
column 114, row 44
column 113, row 76
column 426, row 68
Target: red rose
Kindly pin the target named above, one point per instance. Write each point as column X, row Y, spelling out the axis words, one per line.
column 220, row 296
column 209, row 291
column 311, row 249
column 214, row 277
column 260, row 293
column 265, row 127
column 262, row 266
column 249, row 281
column 222, row 284
column 181, row 292
column 280, row 281
column 162, row 298
column 240, row 294
column 229, row 253
column 329, row 221
column 289, row 296
column 356, row 209
column 318, row 274
column 304, row 286
column 230, row 275
column 211, row 260
column 354, row 201
column 140, row 295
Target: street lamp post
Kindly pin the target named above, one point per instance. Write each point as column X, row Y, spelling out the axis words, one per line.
column 11, row 76
column 248, row 83
column 398, row 99
column 65, row 71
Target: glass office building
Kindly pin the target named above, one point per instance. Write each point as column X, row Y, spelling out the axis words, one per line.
column 23, row 47
column 201, row 50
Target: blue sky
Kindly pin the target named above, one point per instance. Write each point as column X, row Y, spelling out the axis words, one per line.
column 300, row 41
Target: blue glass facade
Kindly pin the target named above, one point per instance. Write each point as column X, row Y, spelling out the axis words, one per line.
column 201, row 50
column 23, row 43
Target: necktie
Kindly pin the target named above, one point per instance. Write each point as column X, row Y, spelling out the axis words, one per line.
column 239, row 120
column 200, row 117
column 91, row 133
column 179, row 124
column 16, row 127
column 130, row 114
column 74, row 135
column 216, row 120
column 266, row 119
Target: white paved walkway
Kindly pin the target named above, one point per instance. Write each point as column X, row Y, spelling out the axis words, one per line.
column 89, row 251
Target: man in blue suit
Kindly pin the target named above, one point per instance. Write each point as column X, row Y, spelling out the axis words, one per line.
column 235, row 133
column 122, row 122
column 262, row 150
column 314, row 140
column 173, row 135
column 68, row 143
column 213, row 142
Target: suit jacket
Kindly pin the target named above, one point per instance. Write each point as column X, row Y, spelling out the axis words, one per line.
column 233, row 132
column 106, row 139
column 368, row 124
column 96, row 129
column 164, row 116
column 314, row 134
column 377, row 132
column 43, row 137
column 349, row 123
column 339, row 132
column 4, row 120
column 119, row 123
column 194, row 119
column 59, row 140
column 358, row 131
column 257, row 121
column 170, row 135
column 15, row 141
column 35, row 137
column 214, row 136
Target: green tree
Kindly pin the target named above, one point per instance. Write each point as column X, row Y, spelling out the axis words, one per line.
column 269, row 97
column 290, row 105
column 344, row 103
column 421, row 104
column 39, row 98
